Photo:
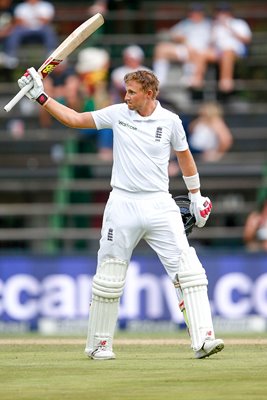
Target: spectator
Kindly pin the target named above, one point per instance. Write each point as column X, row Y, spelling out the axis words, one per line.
column 133, row 57
column 115, row 6
column 92, row 68
column 189, row 39
column 103, row 6
column 32, row 22
column 230, row 37
column 6, row 25
column 98, row 6
column 208, row 133
column 255, row 229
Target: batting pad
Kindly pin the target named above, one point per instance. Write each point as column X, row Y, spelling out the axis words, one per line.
column 193, row 282
column 107, row 288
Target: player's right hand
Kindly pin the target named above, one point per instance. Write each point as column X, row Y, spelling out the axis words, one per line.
column 37, row 93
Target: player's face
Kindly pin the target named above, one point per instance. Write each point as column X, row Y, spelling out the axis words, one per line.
column 135, row 98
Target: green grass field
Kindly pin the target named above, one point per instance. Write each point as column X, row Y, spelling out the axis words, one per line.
column 148, row 367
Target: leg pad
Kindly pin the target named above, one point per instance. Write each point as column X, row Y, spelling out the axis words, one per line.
column 193, row 282
column 107, row 288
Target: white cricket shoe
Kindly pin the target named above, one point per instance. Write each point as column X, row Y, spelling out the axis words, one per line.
column 100, row 353
column 210, row 346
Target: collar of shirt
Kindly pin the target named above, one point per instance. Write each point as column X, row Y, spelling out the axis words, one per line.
column 155, row 115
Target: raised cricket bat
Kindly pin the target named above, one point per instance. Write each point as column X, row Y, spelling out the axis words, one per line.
column 74, row 40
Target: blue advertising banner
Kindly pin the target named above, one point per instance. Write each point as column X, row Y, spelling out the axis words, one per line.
column 33, row 287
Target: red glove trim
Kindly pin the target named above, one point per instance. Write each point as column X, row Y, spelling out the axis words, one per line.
column 42, row 99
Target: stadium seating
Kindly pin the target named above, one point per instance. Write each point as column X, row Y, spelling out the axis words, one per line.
column 52, row 197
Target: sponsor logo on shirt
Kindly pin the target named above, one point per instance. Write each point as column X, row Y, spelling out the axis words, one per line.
column 127, row 125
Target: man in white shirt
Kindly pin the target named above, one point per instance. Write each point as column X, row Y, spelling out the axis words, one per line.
column 141, row 207
column 133, row 57
column 189, row 38
column 32, row 22
column 230, row 38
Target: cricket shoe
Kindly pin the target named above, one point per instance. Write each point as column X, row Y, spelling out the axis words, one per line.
column 101, row 352
column 210, row 346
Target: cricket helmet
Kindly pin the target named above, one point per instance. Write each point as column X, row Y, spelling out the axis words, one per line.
column 183, row 202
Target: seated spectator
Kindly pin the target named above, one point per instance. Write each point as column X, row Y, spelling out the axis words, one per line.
column 115, row 6
column 230, row 38
column 208, row 134
column 92, row 68
column 6, row 26
column 189, row 39
column 32, row 23
column 255, row 229
column 133, row 57
column 103, row 6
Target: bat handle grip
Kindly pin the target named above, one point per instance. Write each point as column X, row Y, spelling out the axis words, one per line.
column 18, row 97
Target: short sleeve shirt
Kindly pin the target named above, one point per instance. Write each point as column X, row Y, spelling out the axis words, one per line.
column 141, row 146
column 224, row 38
column 32, row 12
column 197, row 34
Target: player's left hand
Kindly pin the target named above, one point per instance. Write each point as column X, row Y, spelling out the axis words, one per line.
column 37, row 93
column 200, row 207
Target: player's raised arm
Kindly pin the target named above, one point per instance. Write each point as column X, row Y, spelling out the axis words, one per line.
column 63, row 114
column 74, row 40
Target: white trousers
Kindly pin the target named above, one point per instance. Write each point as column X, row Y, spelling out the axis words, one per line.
column 154, row 217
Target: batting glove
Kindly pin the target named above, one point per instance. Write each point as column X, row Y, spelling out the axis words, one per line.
column 37, row 93
column 200, row 207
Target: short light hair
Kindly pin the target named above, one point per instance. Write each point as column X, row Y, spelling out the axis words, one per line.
column 147, row 80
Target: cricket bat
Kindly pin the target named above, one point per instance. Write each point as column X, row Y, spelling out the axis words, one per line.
column 74, row 40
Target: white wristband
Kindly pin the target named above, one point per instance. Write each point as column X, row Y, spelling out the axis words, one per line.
column 192, row 182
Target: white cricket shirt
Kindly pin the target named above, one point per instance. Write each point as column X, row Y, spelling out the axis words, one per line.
column 141, row 146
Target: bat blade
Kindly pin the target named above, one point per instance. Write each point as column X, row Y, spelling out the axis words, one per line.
column 73, row 41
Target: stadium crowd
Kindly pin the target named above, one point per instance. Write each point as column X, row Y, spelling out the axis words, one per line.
column 196, row 41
